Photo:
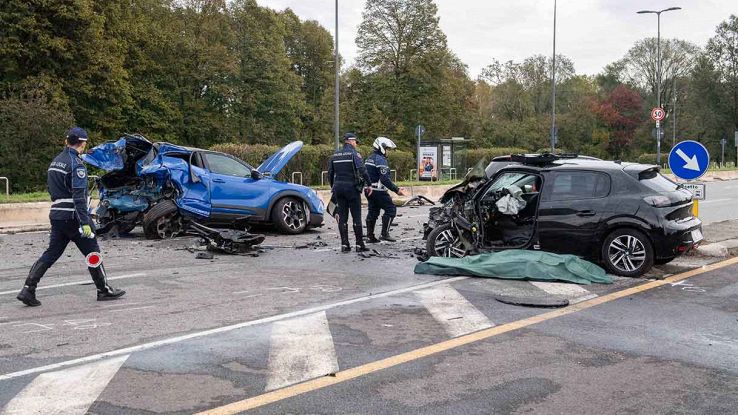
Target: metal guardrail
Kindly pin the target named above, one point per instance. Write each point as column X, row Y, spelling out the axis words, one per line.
column 323, row 175
column 413, row 173
column 394, row 172
column 296, row 173
column 7, row 185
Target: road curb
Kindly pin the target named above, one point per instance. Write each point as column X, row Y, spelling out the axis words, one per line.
column 718, row 249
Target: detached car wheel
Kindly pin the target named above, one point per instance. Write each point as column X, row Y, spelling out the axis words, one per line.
column 445, row 241
column 290, row 215
column 627, row 252
column 162, row 221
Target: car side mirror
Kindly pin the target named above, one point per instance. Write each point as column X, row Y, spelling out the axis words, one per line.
column 256, row 175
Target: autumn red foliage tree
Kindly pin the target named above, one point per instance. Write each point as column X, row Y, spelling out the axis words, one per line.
column 620, row 112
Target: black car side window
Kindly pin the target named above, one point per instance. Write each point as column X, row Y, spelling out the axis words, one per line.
column 576, row 185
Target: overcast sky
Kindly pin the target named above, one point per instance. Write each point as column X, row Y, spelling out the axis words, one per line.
column 591, row 32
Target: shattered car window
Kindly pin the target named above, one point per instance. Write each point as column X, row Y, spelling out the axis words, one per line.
column 579, row 185
column 509, row 179
column 220, row 164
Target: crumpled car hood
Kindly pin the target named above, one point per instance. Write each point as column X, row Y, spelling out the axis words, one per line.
column 119, row 155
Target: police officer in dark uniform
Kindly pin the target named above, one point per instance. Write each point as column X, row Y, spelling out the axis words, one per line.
column 70, row 221
column 347, row 176
column 378, row 169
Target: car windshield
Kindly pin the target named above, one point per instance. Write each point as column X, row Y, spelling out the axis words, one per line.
column 509, row 179
column 656, row 181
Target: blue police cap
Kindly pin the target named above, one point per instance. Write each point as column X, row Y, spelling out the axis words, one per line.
column 349, row 136
column 77, row 134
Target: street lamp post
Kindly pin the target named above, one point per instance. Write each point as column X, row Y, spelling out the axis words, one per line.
column 553, row 88
column 336, row 121
column 658, row 74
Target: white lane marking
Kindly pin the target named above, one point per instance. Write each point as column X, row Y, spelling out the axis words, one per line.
column 132, row 308
column 301, row 349
column 69, row 284
column 69, row 392
column 224, row 329
column 454, row 312
column 573, row 292
column 702, row 202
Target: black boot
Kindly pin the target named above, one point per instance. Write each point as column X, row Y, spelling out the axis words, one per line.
column 343, row 231
column 386, row 223
column 28, row 293
column 104, row 291
column 359, row 233
column 28, row 296
column 370, row 224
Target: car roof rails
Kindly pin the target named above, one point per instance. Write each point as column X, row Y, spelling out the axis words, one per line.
column 541, row 159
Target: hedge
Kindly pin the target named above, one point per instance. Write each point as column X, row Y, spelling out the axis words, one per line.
column 474, row 155
column 312, row 160
column 647, row 158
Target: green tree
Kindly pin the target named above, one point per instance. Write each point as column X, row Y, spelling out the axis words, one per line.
column 310, row 49
column 268, row 101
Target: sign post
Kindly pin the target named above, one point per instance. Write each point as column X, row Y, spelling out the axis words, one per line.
column 689, row 161
column 419, row 131
column 658, row 114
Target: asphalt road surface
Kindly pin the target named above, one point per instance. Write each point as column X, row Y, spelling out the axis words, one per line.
column 302, row 328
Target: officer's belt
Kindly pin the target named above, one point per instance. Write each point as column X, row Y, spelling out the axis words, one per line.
column 379, row 187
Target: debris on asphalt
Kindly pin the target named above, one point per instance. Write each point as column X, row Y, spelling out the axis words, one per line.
column 374, row 253
column 229, row 241
column 419, row 200
column 204, row 255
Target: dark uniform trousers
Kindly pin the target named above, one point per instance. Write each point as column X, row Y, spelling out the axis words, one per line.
column 345, row 172
column 378, row 170
column 63, row 232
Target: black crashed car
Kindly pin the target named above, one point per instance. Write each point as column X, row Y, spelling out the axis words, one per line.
column 625, row 216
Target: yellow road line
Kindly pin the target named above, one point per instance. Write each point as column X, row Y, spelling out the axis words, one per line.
column 346, row 375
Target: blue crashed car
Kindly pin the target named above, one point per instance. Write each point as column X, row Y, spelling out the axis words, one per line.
column 160, row 185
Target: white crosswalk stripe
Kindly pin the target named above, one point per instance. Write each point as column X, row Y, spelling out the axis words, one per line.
column 65, row 392
column 573, row 292
column 454, row 312
column 301, row 349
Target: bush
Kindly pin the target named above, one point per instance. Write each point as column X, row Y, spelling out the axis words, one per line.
column 647, row 158
column 312, row 160
column 474, row 155
column 32, row 132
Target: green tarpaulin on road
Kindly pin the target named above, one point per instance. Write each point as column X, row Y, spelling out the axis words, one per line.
column 516, row 264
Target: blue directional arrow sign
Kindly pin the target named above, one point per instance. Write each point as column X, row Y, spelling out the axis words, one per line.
column 689, row 160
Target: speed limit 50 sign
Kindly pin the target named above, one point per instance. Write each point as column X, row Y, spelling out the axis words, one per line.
column 658, row 114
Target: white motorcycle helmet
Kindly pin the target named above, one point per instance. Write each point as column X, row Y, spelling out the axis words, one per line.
column 382, row 144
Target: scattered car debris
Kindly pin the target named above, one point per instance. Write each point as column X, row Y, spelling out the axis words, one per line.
column 229, row 241
column 204, row 255
column 419, row 200
column 374, row 253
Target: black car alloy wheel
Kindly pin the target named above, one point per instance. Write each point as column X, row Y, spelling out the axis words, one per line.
column 628, row 252
column 444, row 241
